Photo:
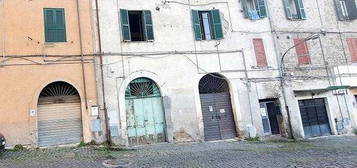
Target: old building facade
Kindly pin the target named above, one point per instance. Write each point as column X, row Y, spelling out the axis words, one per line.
column 319, row 72
column 198, row 54
column 48, row 82
column 173, row 71
column 211, row 69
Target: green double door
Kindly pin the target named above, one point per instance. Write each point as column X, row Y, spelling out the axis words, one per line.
column 145, row 114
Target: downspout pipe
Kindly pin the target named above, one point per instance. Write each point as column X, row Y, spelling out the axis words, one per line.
column 82, row 55
column 102, row 74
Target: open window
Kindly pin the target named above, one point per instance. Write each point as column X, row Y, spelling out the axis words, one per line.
column 136, row 25
column 346, row 9
column 294, row 9
column 254, row 9
column 207, row 25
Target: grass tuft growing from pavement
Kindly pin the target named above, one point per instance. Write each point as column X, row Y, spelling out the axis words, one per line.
column 252, row 139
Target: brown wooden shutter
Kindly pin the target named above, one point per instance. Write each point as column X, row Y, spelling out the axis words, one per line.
column 302, row 51
column 352, row 45
column 260, row 52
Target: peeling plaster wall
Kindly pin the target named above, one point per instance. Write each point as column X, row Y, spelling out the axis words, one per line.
column 179, row 74
column 330, row 60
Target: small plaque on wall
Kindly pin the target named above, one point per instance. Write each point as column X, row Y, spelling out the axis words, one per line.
column 95, row 110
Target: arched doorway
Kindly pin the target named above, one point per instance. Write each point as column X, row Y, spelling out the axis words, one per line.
column 145, row 113
column 218, row 119
column 59, row 115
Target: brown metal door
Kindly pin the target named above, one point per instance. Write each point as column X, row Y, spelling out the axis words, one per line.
column 218, row 116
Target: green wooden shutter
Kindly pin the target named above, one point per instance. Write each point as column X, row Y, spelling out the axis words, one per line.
column 287, row 9
column 339, row 10
column 217, row 24
column 261, row 8
column 351, row 9
column 55, row 25
column 125, row 24
column 196, row 25
column 300, row 9
column 245, row 8
column 149, row 30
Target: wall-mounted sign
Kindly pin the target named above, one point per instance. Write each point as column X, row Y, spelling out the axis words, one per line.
column 263, row 112
column 95, row 110
column 222, row 110
column 210, row 108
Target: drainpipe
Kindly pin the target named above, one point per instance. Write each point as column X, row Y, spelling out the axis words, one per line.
column 82, row 57
column 102, row 74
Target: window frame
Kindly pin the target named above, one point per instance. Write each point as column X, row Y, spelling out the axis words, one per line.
column 47, row 28
column 298, row 6
column 125, row 27
column 345, row 11
column 215, row 25
column 257, row 6
column 202, row 25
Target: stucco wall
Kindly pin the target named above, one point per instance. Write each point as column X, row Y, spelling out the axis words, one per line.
column 22, row 33
column 180, row 73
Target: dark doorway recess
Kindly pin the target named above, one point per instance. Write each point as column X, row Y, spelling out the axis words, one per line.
column 271, row 116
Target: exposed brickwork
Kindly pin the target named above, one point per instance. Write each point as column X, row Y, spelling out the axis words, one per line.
column 302, row 51
column 352, row 45
column 260, row 52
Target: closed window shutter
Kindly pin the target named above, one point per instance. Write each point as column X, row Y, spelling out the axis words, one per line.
column 261, row 7
column 55, row 27
column 352, row 45
column 302, row 51
column 351, row 9
column 260, row 52
column 300, row 9
column 196, row 25
column 217, row 24
column 287, row 9
column 245, row 8
column 149, row 31
column 339, row 10
column 125, row 24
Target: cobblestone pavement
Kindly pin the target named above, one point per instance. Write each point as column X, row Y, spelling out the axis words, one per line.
column 325, row 152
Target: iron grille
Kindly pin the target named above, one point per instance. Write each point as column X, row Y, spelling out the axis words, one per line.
column 141, row 88
column 213, row 83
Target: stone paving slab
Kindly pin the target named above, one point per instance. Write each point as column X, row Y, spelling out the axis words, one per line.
column 325, row 152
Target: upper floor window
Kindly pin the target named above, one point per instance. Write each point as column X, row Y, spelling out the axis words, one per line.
column 302, row 51
column 254, row 9
column 346, row 9
column 352, row 45
column 55, row 25
column 207, row 25
column 294, row 9
column 136, row 25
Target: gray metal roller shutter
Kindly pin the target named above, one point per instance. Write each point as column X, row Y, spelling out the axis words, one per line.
column 59, row 122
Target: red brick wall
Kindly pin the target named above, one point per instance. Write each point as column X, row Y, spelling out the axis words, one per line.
column 260, row 52
column 302, row 51
column 352, row 45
